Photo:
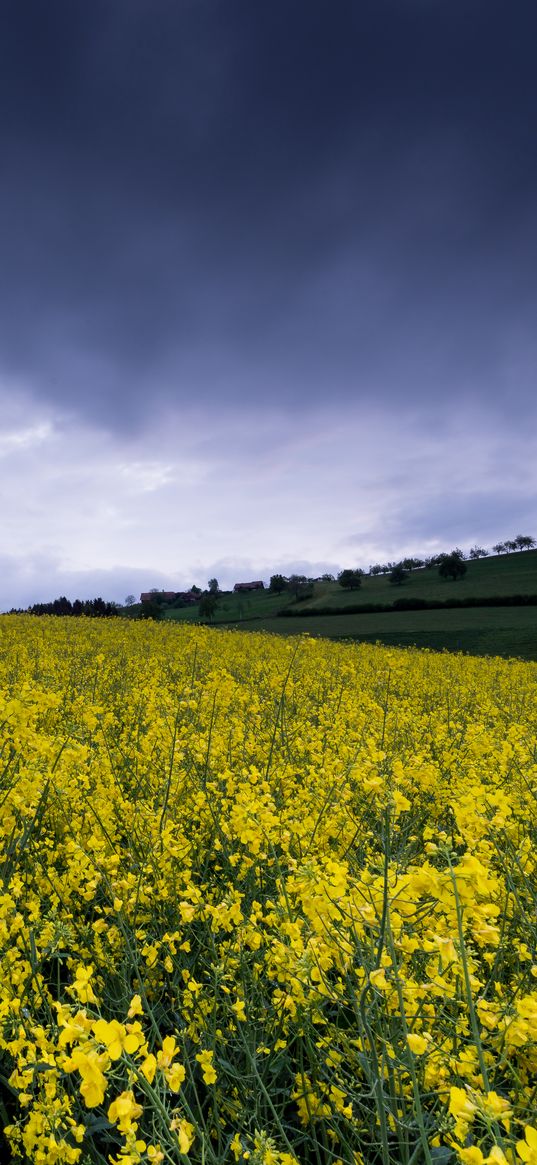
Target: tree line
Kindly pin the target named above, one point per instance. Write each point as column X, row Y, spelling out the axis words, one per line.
column 450, row 565
column 95, row 608
column 521, row 542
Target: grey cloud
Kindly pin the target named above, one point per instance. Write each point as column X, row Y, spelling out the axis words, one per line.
column 267, row 281
column 271, row 202
column 477, row 516
column 441, row 520
column 183, row 504
column 41, row 578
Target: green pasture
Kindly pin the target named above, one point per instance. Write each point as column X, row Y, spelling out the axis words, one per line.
column 506, row 631
column 505, row 574
column 231, row 607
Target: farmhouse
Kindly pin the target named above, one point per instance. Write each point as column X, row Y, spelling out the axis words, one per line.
column 249, row 586
column 168, row 596
column 165, row 596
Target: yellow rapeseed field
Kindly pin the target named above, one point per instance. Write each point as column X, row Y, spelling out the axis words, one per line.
column 264, row 900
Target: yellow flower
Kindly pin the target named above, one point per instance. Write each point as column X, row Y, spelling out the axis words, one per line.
column 527, row 1149
column 169, row 1050
column 461, row 1106
column 90, row 1067
column 205, row 1061
column 236, row 1147
column 417, row 1044
column 124, row 1111
column 496, row 1156
column 151, row 955
column 470, row 1156
column 175, row 1076
column 401, row 803
column 378, row 979
column 149, row 1067
column 495, row 1107
column 82, row 987
column 75, row 1029
column 185, row 1134
column 240, row 1009
column 116, row 1038
column 279, row 905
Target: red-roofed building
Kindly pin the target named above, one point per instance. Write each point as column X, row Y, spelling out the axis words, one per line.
column 164, row 596
column 169, row 596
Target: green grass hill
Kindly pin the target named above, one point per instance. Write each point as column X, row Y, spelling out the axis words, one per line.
column 488, row 629
column 505, row 574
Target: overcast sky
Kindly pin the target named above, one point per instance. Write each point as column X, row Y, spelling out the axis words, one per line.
column 268, row 287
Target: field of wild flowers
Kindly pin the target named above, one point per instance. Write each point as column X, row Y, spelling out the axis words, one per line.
column 264, row 900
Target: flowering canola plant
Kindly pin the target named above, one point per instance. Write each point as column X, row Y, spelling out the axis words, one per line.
column 264, row 900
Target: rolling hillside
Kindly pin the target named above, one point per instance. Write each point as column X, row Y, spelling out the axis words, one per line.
column 505, row 574
column 487, row 630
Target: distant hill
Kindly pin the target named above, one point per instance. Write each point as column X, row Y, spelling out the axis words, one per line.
column 503, row 574
column 501, row 630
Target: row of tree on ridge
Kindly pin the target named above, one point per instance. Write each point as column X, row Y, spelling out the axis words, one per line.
column 451, row 565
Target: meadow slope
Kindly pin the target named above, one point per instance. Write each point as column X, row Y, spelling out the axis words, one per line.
column 480, row 630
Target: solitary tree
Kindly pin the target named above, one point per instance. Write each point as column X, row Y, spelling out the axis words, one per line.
column 500, row 548
column 151, row 610
column 452, row 567
column 208, row 605
column 351, row 580
column 298, row 585
column 411, row 563
column 478, row 552
column 525, row 542
column 214, row 589
column 278, row 583
column 130, row 601
column 398, row 575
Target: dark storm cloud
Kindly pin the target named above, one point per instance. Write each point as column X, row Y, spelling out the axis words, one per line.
column 281, row 200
